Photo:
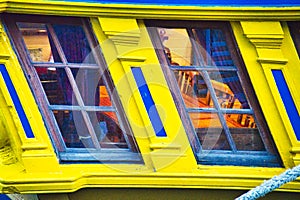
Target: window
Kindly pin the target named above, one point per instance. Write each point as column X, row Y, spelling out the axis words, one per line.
column 213, row 93
column 76, row 95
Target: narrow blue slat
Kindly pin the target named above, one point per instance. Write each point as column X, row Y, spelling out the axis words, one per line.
column 223, row 62
column 219, row 44
column 287, row 101
column 220, row 53
column 16, row 101
column 227, row 79
column 148, row 102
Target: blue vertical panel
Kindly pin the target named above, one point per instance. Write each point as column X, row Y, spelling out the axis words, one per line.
column 17, row 103
column 148, row 102
column 208, row 46
column 287, row 101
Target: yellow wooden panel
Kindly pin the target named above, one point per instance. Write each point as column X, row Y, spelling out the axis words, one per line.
column 36, row 154
column 261, row 76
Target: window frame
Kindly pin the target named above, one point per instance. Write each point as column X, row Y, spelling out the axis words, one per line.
column 65, row 154
column 293, row 31
column 220, row 157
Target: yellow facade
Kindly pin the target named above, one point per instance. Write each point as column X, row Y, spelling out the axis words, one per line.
column 30, row 165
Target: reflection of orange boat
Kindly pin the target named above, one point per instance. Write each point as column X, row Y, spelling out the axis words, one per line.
column 143, row 99
column 104, row 100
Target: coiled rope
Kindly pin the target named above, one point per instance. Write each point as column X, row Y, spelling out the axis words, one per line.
column 271, row 184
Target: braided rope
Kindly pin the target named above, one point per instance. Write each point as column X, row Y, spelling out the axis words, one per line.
column 272, row 184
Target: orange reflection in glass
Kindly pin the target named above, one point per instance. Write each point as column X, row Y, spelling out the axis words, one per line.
column 209, row 131
column 36, row 40
column 178, row 53
column 205, row 120
column 193, row 89
column 105, row 101
column 240, row 120
column 104, row 96
column 229, row 90
column 244, row 132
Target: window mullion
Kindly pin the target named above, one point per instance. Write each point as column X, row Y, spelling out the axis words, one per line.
column 81, row 103
column 206, row 78
column 195, row 45
column 57, row 44
column 75, row 89
column 62, row 65
column 96, row 52
column 219, row 111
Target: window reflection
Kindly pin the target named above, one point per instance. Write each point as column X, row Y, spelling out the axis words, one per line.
column 36, row 39
column 210, row 87
column 57, row 87
column 228, row 89
column 178, row 53
column 76, row 89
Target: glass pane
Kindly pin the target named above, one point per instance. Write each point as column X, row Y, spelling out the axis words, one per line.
column 209, row 131
column 244, row 132
column 193, row 89
column 91, row 87
column 73, row 129
column 37, row 41
column 240, row 120
column 229, row 90
column 108, row 131
column 214, row 49
column 74, row 43
column 104, row 98
column 57, row 86
column 177, row 46
column 76, row 134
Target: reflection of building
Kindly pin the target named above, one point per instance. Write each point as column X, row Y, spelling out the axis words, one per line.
column 102, row 100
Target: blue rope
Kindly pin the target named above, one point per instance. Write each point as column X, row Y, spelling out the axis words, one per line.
column 272, row 184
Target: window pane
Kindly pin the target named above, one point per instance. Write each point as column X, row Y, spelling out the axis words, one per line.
column 178, row 53
column 73, row 129
column 57, row 87
column 91, row 87
column 104, row 98
column 244, row 131
column 240, row 120
column 76, row 133
column 36, row 39
column 212, row 46
column 108, row 130
column 193, row 89
column 74, row 43
column 209, row 131
column 228, row 89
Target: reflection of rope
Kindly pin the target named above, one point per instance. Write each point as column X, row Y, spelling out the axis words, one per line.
column 272, row 184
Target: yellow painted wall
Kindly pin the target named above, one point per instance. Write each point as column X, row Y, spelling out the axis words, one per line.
column 168, row 162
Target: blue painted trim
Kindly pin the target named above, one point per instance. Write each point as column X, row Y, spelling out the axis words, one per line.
column 288, row 101
column 4, row 197
column 148, row 102
column 264, row 3
column 15, row 98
